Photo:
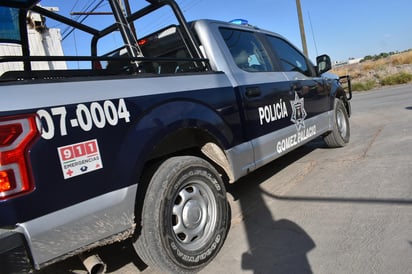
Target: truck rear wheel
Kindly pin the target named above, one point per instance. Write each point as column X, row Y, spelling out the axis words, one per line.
column 184, row 217
column 340, row 134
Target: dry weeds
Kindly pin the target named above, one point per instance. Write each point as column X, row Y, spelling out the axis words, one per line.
column 372, row 74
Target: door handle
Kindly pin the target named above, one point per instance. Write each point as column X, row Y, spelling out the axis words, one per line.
column 296, row 87
column 253, row 92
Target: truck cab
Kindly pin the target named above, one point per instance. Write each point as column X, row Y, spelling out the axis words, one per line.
column 276, row 82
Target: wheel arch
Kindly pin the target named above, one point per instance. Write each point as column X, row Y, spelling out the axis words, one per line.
column 339, row 92
column 193, row 129
column 172, row 128
column 185, row 141
column 194, row 141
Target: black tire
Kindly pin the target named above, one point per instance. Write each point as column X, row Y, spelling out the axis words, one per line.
column 185, row 216
column 340, row 134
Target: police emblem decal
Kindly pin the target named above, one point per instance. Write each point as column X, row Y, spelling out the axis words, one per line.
column 299, row 112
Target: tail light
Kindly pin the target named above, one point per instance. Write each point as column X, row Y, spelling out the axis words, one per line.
column 16, row 135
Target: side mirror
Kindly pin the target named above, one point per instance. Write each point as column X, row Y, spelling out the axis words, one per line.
column 323, row 64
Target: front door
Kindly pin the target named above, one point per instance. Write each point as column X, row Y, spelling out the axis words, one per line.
column 264, row 91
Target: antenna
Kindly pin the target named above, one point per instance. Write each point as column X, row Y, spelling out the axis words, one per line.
column 313, row 34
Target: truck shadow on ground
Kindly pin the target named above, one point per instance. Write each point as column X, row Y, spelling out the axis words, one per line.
column 275, row 246
column 281, row 246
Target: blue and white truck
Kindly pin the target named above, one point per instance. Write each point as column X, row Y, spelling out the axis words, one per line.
column 141, row 141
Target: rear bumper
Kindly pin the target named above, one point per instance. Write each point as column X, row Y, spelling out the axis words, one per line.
column 14, row 255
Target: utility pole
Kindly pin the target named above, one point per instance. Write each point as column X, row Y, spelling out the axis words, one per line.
column 302, row 29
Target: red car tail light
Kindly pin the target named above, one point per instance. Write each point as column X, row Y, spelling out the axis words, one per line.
column 16, row 135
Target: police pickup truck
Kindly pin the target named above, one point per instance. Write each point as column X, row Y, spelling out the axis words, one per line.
column 139, row 141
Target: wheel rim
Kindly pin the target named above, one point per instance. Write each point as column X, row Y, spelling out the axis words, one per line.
column 194, row 215
column 341, row 123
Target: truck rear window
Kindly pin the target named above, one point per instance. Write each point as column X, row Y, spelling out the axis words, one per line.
column 9, row 22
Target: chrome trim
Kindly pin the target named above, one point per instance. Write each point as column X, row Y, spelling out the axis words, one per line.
column 264, row 147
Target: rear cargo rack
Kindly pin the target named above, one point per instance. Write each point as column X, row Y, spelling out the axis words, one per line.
column 130, row 61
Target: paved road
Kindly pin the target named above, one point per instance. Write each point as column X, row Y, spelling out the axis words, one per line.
column 320, row 210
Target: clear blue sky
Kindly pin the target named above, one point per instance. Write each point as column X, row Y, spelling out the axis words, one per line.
column 342, row 29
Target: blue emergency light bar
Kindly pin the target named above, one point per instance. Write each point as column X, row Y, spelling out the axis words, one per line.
column 239, row 22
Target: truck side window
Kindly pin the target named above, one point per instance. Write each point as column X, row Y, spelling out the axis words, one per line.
column 246, row 49
column 290, row 58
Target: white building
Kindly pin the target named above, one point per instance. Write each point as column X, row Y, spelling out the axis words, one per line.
column 354, row 60
column 43, row 41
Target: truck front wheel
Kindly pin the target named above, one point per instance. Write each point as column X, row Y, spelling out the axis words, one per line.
column 184, row 217
column 340, row 134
